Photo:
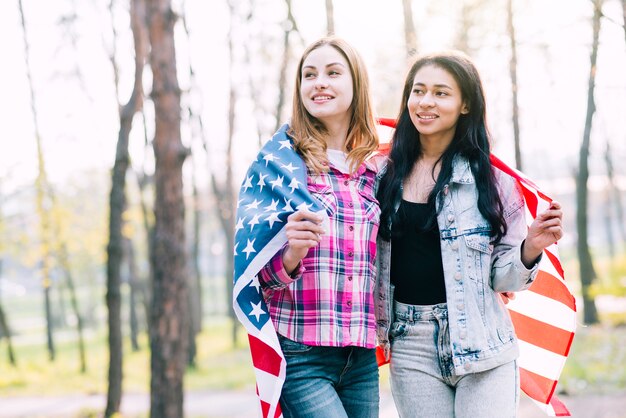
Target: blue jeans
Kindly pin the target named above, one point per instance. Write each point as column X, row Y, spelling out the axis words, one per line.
column 422, row 380
column 329, row 382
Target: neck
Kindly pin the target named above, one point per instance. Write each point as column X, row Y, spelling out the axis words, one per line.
column 433, row 147
column 337, row 134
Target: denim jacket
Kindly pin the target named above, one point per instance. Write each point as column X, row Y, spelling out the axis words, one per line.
column 475, row 271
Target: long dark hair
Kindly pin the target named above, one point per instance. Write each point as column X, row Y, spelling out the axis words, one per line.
column 471, row 141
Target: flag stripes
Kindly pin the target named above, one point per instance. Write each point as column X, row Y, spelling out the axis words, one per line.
column 540, row 333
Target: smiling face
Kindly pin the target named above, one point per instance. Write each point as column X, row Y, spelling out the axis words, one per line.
column 435, row 103
column 326, row 87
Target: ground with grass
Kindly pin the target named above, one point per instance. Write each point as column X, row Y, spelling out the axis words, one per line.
column 594, row 377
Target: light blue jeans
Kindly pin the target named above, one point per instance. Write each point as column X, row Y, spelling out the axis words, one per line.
column 329, row 382
column 422, row 380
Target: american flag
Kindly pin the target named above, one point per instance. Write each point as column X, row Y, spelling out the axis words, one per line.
column 274, row 187
column 544, row 316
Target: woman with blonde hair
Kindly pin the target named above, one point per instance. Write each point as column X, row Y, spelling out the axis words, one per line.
column 319, row 286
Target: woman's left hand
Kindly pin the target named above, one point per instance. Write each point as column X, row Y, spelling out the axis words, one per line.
column 545, row 230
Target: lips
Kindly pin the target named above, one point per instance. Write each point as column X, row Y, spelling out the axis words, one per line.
column 321, row 98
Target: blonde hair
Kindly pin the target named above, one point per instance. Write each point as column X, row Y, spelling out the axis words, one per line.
column 309, row 133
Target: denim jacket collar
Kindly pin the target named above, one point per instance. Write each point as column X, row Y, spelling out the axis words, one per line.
column 461, row 171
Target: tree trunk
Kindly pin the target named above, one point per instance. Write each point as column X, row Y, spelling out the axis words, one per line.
column 410, row 37
column 225, row 194
column 69, row 282
column 195, row 279
column 169, row 324
column 42, row 202
column 117, row 204
column 195, row 283
column 143, row 180
column 613, row 193
column 330, row 18
column 624, row 14
column 134, row 292
column 587, row 271
column 290, row 26
column 5, row 332
column 514, row 89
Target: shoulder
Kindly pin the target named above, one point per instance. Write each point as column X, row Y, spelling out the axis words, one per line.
column 377, row 162
column 510, row 191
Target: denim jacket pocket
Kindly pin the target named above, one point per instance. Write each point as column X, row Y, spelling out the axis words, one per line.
column 324, row 194
column 479, row 251
column 479, row 242
column 292, row 347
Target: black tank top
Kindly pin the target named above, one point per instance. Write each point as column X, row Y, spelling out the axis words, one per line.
column 416, row 266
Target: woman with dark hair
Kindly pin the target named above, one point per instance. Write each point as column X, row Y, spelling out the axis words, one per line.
column 453, row 236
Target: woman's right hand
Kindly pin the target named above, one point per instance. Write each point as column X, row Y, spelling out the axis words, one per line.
column 303, row 232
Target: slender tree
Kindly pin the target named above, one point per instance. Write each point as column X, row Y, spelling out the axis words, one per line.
column 514, row 89
column 5, row 331
column 195, row 278
column 290, row 26
column 466, row 22
column 587, row 270
column 224, row 192
column 42, row 199
column 169, row 323
column 330, row 17
column 117, row 204
column 613, row 194
column 624, row 15
column 134, row 293
column 410, row 37
column 64, row 263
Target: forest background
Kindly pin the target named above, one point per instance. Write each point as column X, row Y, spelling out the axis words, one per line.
column 121, row 116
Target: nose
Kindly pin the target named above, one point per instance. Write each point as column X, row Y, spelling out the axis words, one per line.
column 321, row 82
column 427, row 100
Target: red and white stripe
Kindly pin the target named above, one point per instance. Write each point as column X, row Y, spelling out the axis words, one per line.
column 544, row 316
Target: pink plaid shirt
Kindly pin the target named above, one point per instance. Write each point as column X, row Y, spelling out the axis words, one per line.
column 329, row 301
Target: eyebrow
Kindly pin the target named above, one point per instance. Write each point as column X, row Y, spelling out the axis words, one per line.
column 436, row 85
column 328, row 65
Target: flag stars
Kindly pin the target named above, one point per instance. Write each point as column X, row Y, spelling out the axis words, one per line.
column 278, row 182
column 290, row 167
column 273, row 218
column 287, row 206
column 247, row 184
column 272, row 207
column 257, row 310
column 254, row 221
column 254, row 205
column 294, row 184
column 270, row 158
column 261, row 182
column 255, row 283
column 249, row 248
column 304, row 206
column 239, row 224
column 284, row 144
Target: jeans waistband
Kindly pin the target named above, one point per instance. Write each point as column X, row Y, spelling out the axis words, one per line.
column 407, row 312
